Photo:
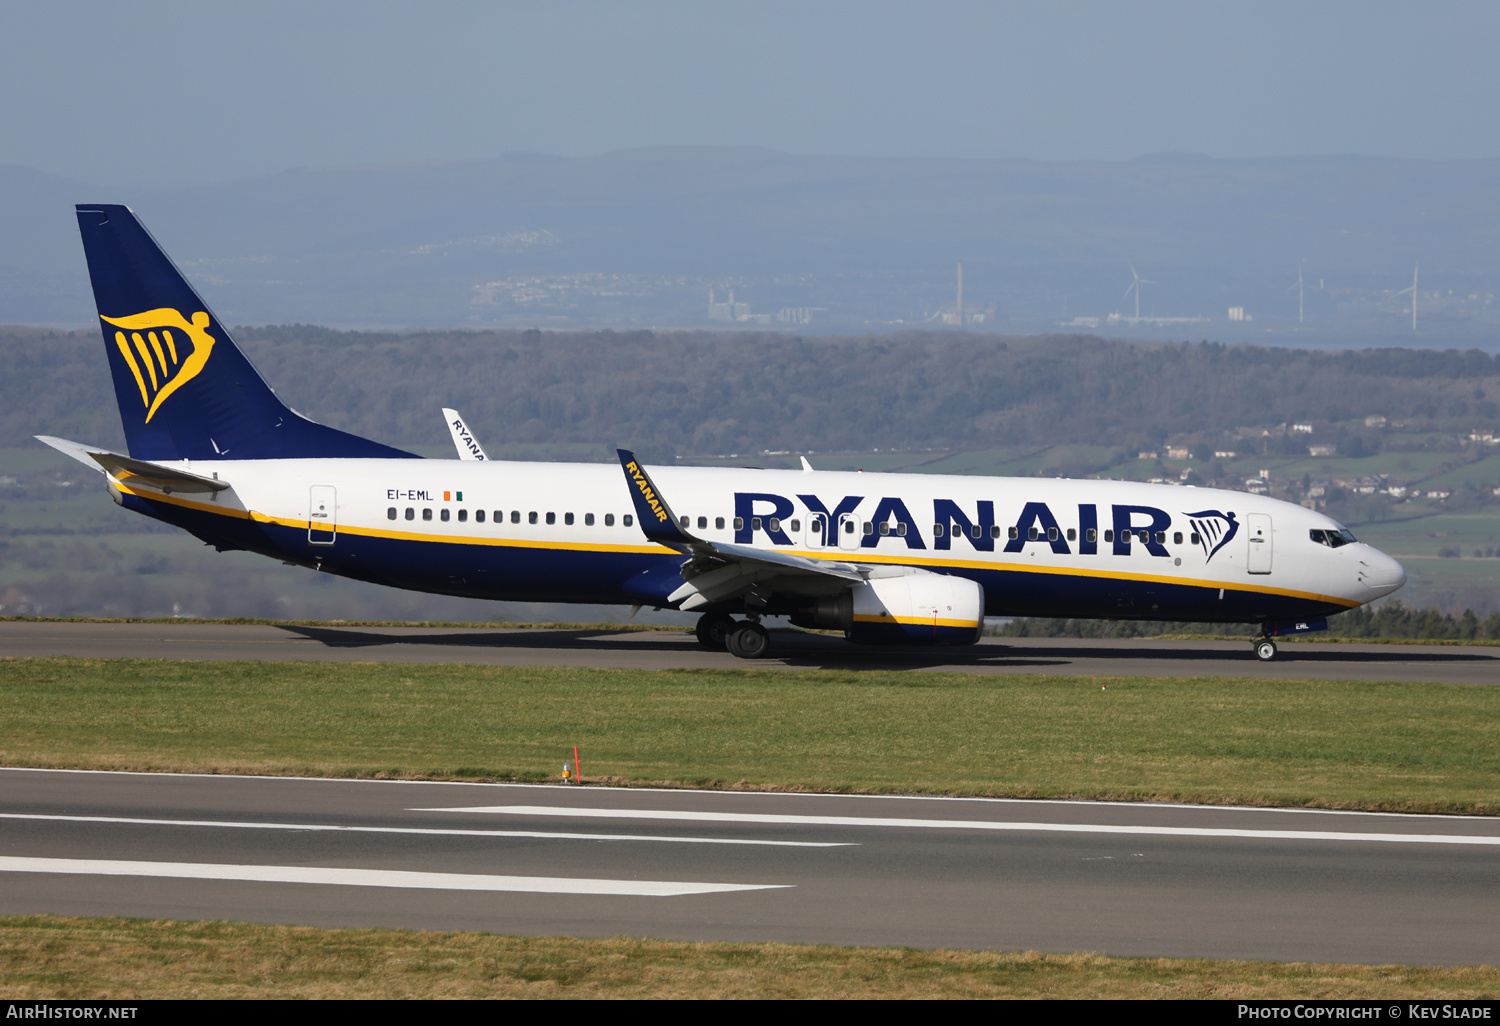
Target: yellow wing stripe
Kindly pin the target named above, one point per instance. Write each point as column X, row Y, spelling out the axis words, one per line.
column 913, row 621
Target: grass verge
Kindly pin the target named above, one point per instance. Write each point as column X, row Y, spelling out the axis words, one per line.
column 1383, row 746
column 67, row 958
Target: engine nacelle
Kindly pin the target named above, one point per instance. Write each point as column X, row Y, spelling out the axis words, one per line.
column 914, row 609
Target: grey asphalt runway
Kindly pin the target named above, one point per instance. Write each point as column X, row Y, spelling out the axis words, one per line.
column 656, row 650
column 924, row 872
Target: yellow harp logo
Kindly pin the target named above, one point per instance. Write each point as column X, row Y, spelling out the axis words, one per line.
column 162, row 361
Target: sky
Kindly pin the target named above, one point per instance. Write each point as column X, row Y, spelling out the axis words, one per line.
column 167, row 94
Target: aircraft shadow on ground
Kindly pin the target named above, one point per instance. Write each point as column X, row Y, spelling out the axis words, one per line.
column 812, row 650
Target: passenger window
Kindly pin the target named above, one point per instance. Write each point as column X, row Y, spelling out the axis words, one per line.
column 755, row 523
column 702, row 523
column 609, row 520
column 411, row 514
column 568, row 519
column 1176, row 537
column 1109, row 536
column 1014, row 534
column 796, row 526
column 901, row 530
column 682, row 521
column 588, row 520
column 1072, row 534
column 994, row 530
column 531, row 517
column 1195, row 538
column 719, row 523
column 551, row 517
column 1031, row 534
column 976, row 531
column 937, row 530
column 869, row 529
column 627, row 520
column 390, row 514
column 816, row 525
column 739, row 523
column 1052, row 534
column 774, row 525
column 1161, row 537
column 515, row 516
column 426, row 514
column 479, row 516
column 463, row 516
column 885, row 528
column 848, row 527
column 1144, row 535
column 1093, row 535
column 443, row 515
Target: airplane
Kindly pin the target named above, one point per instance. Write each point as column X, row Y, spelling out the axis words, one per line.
column 884, row 558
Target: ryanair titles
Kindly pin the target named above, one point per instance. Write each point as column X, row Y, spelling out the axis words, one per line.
column 648, row 494
column 954, row 525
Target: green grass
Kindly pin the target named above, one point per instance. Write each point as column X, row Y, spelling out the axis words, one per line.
column 50, row 957
column 1389, row 746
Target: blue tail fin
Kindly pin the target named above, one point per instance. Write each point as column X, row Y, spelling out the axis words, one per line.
column 184, row 388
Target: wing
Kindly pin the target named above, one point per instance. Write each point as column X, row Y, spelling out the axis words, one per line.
column 716, row 571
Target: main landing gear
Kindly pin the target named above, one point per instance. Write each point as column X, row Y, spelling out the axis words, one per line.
column 1265, row 649
column 744, row 639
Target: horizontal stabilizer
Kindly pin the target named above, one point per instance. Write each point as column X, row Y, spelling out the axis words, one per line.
column 124, row 469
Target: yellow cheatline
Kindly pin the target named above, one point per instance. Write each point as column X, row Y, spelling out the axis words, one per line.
column 916, row 621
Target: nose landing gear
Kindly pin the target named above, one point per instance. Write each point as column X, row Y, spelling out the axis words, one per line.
column 1265, row 649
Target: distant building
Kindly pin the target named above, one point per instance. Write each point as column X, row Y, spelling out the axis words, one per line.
column 1237, row 313
column 1301, row 429
column 1178, row 452
column 1375, row 420
column 1144, row 455
column 1225, row 454
column 1322, row 450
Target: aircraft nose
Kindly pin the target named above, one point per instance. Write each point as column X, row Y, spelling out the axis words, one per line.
column 1380, row 573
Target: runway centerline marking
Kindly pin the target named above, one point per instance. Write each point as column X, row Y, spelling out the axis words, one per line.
column 966, row 824
column 423, row 831
column 403, row 879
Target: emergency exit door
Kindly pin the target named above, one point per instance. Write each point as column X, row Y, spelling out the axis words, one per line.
column 1258, row 526
column 322, row 515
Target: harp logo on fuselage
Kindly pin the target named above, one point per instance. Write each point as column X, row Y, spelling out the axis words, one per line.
column 163, row 350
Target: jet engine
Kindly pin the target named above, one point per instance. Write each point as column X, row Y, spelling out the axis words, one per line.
column 912, row 609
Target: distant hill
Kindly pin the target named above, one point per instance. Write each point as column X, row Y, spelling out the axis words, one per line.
column 504, row 241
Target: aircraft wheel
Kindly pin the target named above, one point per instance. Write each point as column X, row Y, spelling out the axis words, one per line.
column 1265, row 650
column 713, row 630
column 750, row 641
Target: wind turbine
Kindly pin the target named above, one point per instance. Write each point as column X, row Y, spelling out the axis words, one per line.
column 1299, row 291
column 1413, row 291
column 1136, row 287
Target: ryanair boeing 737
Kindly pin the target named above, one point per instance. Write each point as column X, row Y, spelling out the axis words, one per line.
column 886, row 558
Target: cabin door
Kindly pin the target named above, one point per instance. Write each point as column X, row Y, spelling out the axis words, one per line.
column 1258, row 526
column 322, row 515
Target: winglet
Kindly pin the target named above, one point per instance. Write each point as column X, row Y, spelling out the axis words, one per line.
column 807, row 467
column 463, row 439
column 651, row 509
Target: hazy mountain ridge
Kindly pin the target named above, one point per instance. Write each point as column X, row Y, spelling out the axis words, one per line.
column 395, row 244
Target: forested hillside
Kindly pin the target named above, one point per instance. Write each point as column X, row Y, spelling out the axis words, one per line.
column 701, row 394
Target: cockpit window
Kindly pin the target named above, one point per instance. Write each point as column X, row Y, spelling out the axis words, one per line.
column 1333, row 539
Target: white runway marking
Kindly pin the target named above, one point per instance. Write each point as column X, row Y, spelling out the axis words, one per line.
column 966, row 824
column 374, row 878
column 425, row 831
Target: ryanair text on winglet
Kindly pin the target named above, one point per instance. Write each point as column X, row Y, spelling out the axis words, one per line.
column 646, row 492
